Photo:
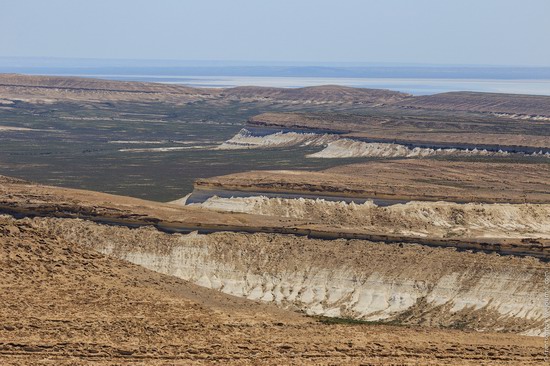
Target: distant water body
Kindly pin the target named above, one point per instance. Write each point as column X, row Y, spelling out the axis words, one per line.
column 415, row 86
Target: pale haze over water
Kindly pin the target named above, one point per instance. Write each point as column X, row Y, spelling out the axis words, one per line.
column 416, row 86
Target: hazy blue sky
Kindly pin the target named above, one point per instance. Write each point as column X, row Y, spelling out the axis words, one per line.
column 494, row 32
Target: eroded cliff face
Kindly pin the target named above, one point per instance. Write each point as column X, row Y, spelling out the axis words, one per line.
column 246, row 139
column 423, row 219
column 331, row 146
column 349, row 148
column 405, row 283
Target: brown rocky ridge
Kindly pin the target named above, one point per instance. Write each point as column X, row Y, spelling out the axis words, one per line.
column 49, row 89
column 398, row 223
column 512, row 104
column 419, row 130
column 406, row 180
column 65, row 304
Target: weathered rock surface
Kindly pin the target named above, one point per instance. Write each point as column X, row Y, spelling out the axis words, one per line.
column 424, row 219
column 64, row 304
column 420, row 129
column 410, row 284
column 411, row 179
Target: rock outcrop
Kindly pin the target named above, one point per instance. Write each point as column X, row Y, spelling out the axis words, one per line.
column 402, row 283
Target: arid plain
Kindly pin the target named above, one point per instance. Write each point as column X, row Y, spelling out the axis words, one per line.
column 159, row 224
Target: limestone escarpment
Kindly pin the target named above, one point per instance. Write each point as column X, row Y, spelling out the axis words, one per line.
column 439, row 129
column 65, row 304
column 404, row 179
column 415, row 218
column 343, row 278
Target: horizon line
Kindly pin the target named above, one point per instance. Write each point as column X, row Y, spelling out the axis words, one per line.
column 255, row 63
